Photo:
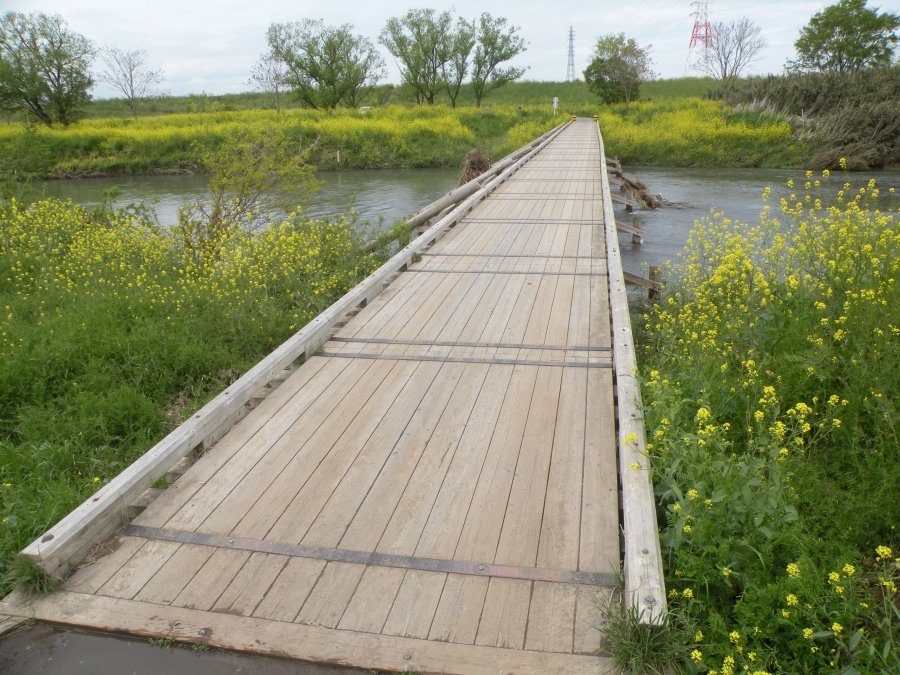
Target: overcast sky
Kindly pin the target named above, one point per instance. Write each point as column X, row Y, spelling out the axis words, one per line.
column 209, row 45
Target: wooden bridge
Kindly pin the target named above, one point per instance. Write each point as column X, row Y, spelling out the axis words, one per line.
column 444, row 474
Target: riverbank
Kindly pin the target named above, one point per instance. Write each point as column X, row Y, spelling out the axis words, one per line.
column 770, row 370
column 672, row 132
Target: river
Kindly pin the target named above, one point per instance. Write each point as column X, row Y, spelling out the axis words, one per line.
column 384, row 196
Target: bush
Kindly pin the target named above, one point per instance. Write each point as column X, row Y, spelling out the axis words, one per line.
column 851, row 115
column 772, row 363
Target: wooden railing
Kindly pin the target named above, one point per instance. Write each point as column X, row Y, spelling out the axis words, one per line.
column 644, row 583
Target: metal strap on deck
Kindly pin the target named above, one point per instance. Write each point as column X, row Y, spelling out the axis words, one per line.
column 487, row 345
column 462, row 359
column 372, row 558
column 541, row 272
column 513, row 255
column 535, row 221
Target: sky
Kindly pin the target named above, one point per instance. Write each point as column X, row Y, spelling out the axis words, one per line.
column 210, row 45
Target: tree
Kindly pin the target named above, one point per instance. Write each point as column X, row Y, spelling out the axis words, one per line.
column 845, row 37
column 732, row 48
column 422, row 43
column 618, row 68
column 248, row 176
column 497, row 42
column 269, row 76
column 456, row 69
column 326, row 65
column 44, row 67
column 128, row 72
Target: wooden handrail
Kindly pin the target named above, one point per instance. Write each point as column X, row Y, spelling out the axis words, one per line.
column 645, row 585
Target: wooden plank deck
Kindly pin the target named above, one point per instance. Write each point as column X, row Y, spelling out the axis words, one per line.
column 435, row 490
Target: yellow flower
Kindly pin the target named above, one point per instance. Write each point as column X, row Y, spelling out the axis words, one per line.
column 726, row 571
column 836, row 628
column 734, row 636
column 793, row 570
column 882, row 553
column 808, row 633
column 792, row 600
column 834, row 577
column 785, row 614
column 698, row 636
column 693, row 494
column 696, row 656
column 687, row 593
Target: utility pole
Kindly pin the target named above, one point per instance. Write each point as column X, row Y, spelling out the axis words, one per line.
column 701, row 36
column 570, row 70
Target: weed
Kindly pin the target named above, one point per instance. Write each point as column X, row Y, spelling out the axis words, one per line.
column 32, row 581
column 164, row 643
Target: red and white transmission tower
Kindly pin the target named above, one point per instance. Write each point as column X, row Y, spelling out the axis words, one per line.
column 701, row 35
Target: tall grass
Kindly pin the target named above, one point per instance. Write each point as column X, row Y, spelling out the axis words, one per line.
column 773, row 365
column 696, row 132
column 381, row 138
column 851, row 115
column 113, row 332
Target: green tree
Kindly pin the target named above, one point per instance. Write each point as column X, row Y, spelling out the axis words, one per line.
column 422, row 42
column 327, row 65
column 456, row 69
column 618, row 68
column 44, row 67
column 497, row 42
column 845, row 37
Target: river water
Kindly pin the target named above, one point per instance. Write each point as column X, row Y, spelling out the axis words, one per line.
column 384, row 196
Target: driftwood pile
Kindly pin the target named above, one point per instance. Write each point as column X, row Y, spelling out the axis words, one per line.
column 638, row 190
column 473, row 166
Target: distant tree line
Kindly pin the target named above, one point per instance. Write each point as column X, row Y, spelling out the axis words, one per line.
column 45, row 68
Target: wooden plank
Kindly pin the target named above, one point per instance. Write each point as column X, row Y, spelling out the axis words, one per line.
column 371, row 603
column 313, row 482
column 140, row 568
column 175, row 574
column 249, row 587
column 521, row 515
column 551, row 618
column 560, row 529
column 328, row 600
column 108, row 558
column 644, row 582
column 505, row 614
column 599, row 549
column 302, row 642
column 212, row 579
column 415, row 605
column 459, row 609
column 290, row 589
column 403, row 430
column 224, row 498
